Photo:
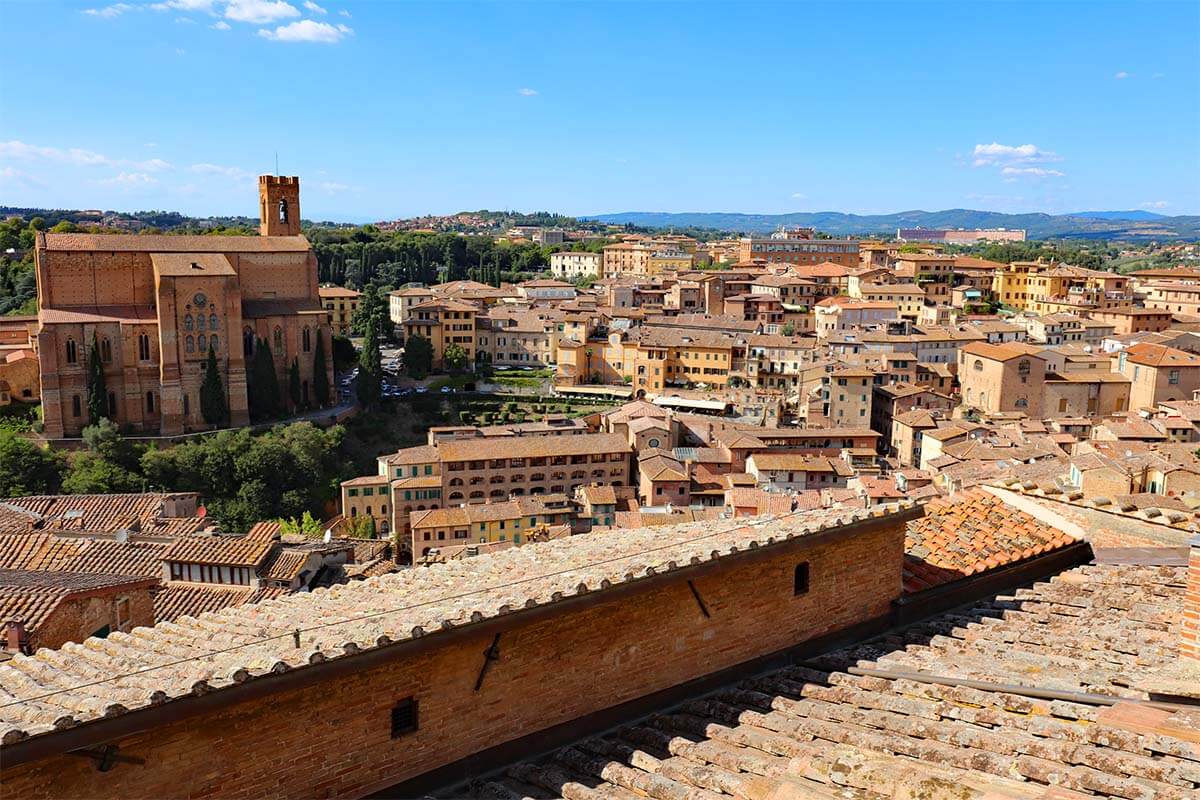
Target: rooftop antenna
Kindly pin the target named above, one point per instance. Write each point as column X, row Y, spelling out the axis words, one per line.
column 276, row 163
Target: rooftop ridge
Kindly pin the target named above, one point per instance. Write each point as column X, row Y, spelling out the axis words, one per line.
column 191, row 656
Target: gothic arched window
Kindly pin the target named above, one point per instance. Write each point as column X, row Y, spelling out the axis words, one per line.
column 307, row 339
column 199, row 322
column 187, row 323
column 213, row 343
column 189, row 344
column 212, row 322
column 283, row 210
column 143, row 347
column 105, row 350
column 248, row 341
column 72, row 352
column 202, row 343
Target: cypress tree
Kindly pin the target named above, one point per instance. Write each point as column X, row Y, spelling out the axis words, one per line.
column 320, row 377
column 212, row 393
column 294, row 383
column 97, row 391
column 264, row 384
column 370, row 367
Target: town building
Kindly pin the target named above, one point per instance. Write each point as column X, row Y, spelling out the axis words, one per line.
column 568, row 265
column 444, row 323
column 779, row 249
column 341, row 303
column 1006, row 377
column 1158, row 374
column 151, row 307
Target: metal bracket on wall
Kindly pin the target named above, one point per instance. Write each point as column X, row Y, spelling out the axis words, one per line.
column 489, row 655
column 106, row 757
column 699, row 599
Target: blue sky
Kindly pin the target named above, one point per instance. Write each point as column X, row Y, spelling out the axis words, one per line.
column 392, row 109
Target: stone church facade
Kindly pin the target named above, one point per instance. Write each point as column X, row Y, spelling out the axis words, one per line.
column 154, row 305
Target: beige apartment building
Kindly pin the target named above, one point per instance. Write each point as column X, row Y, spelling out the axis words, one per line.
column 1158, row 374
column 340, row 303
column 443, row 323
column 571, row 265
column 474, row 468
column 512, row 338
column 1002, row 377
column 1057, row 288
column 516, row 521
column 401, row 301
column 1085, row 393
column 906, row 297
column 650, row 358
column 846, row 396
column 835, row 315
column 799, row 251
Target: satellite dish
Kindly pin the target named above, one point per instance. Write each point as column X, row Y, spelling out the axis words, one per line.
column 328, row 535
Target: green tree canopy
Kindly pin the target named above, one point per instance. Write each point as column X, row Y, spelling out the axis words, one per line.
column 455, row 357
column 26, row 468
column 418, row 356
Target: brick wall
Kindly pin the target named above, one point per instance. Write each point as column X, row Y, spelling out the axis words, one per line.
column 333, row 738
column 77, row 618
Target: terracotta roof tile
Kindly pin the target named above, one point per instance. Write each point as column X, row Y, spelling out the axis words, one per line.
column 971, row 533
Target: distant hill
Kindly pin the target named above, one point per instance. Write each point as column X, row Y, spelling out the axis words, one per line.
column 1143, row 225
column 1140, row 216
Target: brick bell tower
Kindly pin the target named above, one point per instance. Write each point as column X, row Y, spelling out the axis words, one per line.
column 279, row 205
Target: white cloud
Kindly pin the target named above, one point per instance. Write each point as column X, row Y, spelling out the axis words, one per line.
column 27, row 152
column 179, row 51
column 344, row 13
column 217, row 169
column 996, row 154
column 1154, row 204
column 333, row 188
column 1122, row 75
column 306, row 30
column 75, row 156
column 220, row 25
column 108, row 12
column 1037, row 172
column 130, row 179
column 184, row 5
column 527, row 92
column 314, row 8
column 259, row 12
column 799, row 196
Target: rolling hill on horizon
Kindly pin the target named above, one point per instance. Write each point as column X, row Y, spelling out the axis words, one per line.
column 1084, row 225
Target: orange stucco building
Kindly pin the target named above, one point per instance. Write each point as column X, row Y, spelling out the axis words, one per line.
column 153, row 306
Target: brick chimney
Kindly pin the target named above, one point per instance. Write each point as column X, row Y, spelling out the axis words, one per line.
column 1189, row 646
column 16, row 640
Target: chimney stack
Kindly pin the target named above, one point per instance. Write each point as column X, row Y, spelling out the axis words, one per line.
column 16, row 640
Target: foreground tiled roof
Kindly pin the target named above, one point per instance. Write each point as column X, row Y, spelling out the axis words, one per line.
column 183, row 599
column 972, row 533
column 175, row 660
column 818, row 731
